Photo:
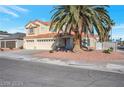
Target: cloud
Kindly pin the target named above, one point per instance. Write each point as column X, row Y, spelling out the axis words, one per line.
column 118, row 36
column 12, row 10
column 120, row 26
column 118, row 31
column 7, row 11
column 17, row 8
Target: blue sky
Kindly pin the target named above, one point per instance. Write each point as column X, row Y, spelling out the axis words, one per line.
column 14, row 18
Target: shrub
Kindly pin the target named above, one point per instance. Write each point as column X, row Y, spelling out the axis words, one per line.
column 90, row 49
column 11, row 48
column 51, row 51
column 111, row 49
column 21, row 47
column 1, row 49
column 107, row 51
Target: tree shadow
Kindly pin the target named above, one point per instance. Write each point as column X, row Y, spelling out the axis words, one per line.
column 63, row 42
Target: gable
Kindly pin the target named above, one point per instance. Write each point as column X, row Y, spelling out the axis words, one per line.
column 31, row 25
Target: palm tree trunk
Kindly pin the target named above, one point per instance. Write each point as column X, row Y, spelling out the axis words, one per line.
column 77, row 43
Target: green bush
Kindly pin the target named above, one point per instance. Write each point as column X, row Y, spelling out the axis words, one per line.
column 111, row 49
column 107, row 51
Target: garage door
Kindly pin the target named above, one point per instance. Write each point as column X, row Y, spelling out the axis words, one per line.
column 2, row 44
column 10, row 44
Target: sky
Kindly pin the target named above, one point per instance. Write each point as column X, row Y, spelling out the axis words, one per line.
column 14, row 18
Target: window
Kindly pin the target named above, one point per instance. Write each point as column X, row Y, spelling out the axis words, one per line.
column 39, row 40
column 86, row 42
column 46, row 40
column 30, row 40
column 31, row 31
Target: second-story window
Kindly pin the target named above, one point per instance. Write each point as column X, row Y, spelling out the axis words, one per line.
column 31, row 31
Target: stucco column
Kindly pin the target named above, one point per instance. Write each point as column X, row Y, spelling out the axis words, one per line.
column 16, row 43
column 5, row 44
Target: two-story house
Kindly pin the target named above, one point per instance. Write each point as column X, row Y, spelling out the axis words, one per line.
column 38, row 36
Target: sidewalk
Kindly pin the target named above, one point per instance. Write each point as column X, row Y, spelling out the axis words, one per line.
column 116, row 66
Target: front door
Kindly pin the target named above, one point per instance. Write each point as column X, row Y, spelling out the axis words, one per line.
column 69, row 43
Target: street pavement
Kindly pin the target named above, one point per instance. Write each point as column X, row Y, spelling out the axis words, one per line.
column 15, row 73
column 29, row 55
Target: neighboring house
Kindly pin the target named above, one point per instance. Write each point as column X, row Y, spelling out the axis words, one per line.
column 12, row 40
column 38, row 36
column 3, row 34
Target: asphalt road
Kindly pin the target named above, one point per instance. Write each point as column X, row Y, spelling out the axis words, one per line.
column 30, row 74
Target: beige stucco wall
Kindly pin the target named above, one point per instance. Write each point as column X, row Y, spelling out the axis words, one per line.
column 19, row 43
column 92, row 42
column 40, row 29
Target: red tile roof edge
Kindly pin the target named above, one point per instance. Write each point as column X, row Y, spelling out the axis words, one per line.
column 50, row 35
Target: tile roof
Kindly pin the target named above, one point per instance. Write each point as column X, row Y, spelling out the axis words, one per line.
column 45, row 23
column 19, row 36
column 52, row 35
column 4, row 33
column 48, row 35
column 42, row 22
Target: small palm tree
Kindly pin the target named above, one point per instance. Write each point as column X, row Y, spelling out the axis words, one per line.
column 81, row 19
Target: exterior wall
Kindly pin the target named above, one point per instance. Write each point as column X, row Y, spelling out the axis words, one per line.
column 40, row 29
column 2, row 36
column 106, row 45
column 19, row 43
column 99, row 46
column 91, row 42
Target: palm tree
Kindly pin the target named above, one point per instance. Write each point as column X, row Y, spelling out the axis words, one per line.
column 81, row 19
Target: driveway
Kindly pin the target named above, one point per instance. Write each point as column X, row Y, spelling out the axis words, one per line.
column 19, row 53
column 15, row 73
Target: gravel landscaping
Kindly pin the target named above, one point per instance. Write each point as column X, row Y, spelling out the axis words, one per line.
column 91, row 56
